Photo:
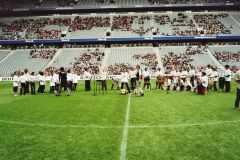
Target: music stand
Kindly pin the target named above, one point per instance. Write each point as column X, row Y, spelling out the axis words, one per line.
column 97, row 86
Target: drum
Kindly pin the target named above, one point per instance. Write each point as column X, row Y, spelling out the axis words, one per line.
column 160, row 79
column 211, row 81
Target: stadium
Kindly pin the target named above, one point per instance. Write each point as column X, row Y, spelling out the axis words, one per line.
column 119, row 79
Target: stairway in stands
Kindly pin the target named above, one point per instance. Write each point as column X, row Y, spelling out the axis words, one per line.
column 159, row 57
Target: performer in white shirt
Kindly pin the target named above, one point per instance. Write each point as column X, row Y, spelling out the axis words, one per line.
column 124, row 80
column 70, row 79
column 22, row 80
column 116, row 80
column 173, row 72
column 27, row 78
column 57, row 82
column 183, row 74
column 202, row 87
column 159, row 79
column 227, row 76
column 15, row 83
column 133, row 77
column 52, row 82
column 104, row 75
column 208, row 70
column 87, row 76
column 176, row 73
column 221, row 82
column 191, row 75
column 146, row 76
column 75, row 81
column 32, row 83
column 168, row 82
column 188, row 84
column 42, row 82
column 138, row 76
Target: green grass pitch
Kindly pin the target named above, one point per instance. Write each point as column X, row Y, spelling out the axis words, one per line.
column 174, row 126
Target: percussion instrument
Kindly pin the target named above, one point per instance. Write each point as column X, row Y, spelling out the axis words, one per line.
column 211, row 81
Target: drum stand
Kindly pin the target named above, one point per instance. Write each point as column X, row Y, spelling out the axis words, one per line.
column 97, row 88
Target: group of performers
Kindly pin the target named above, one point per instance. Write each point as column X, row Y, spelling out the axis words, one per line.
column 190, row 80
column 179, row 80
column 58, row 79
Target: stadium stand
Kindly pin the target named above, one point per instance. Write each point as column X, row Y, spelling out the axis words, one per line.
column 227, row 55
column 79, row 58
column 21, row 59
column 120, row 58
column 122, row 25
column 3, row 54
column 186, row 57
column 117, row 57
column 116, row 25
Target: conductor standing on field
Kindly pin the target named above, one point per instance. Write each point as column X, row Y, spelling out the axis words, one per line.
column 63, row 82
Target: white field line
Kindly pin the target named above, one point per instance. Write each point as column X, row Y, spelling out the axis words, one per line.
column 123, row 147
column 58, row 126
column 131, row 126
column 184, row 125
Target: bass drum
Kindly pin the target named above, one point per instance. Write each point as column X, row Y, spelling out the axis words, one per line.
column 160, row 79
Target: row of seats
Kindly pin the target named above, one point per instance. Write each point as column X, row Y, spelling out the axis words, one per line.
column 3, row 54
column 230, row 49
column 198, row 60
column 150, row 27
column 20, row 60
column 67, row 57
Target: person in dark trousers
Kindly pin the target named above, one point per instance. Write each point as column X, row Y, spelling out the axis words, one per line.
column 70, row 79
column 192, row 73
column 104, row 75
column 133, row 78
column 27, row 78
column 23, row 82
column 116, row 80
column 87, row 77
column 38, row 76
column 15, row 83
column 146, row 75
column 52, row 82
column 215, row 77
column 138, row 76
column 75, row 81
column 221, row 82
column 124, row 80
column 237, row 80
column 32, row 83
column 159, row 79
column 202, row 87
column 42, row 83
column 227, row 76
column 63, row 82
